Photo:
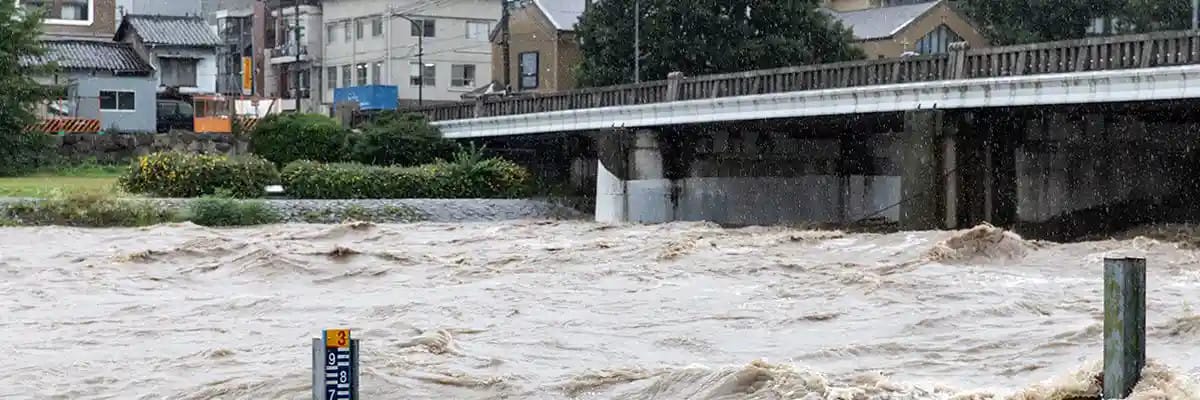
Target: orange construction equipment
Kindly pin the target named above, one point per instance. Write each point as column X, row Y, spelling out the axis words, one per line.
column 212, row 114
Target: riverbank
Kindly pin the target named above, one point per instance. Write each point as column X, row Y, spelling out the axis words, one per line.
column 377, row 211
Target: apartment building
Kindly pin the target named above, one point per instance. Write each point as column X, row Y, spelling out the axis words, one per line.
column 293, row 44
column 77, row 19
column 370, row 42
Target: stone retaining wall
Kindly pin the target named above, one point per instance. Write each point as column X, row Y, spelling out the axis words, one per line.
column 390, row 211
column 122, row 147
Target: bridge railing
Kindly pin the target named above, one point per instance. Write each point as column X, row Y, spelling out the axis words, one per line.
column 1092, row 54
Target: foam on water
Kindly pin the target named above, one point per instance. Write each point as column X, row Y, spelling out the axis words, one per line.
column 551, row 310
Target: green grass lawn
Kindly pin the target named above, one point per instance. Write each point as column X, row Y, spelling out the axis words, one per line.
column 42, row 184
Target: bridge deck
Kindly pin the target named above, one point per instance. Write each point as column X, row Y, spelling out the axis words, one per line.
column 1158, row 49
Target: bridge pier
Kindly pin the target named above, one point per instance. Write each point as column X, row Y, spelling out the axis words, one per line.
column 927, row 179
column 958, row 169
column 631, row 181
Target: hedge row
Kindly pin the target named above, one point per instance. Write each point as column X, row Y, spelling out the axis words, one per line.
column 389, row 139
column 175, row 174
column 463, row 178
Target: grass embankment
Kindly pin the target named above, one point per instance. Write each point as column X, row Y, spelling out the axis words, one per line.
column 44, row 183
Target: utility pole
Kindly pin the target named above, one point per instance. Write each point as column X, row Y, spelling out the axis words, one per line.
column 637, row 41
column 296, row 28
column 504, row 41
column 420, row 58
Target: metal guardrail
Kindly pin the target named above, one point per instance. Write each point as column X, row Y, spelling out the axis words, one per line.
column 1093, row 54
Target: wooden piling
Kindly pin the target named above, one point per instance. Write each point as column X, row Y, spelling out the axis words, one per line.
column 1124, row 325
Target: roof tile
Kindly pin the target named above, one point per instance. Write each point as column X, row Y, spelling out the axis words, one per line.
column 170, row 30
column 89, row 54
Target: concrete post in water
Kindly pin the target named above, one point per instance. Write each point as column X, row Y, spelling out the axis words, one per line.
column 335, row 366
column 1124, row 325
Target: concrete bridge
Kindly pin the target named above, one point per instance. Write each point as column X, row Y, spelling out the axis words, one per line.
column 1007, row 134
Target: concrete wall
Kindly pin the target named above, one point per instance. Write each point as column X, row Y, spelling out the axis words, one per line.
column 101, row 27
column 448, row 47
column 1071, row 163
column 125, row 147
column 749, row 177
column 87, row 87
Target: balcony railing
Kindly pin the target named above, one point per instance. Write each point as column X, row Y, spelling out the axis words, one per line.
column 289, row 51
column 1158, row 49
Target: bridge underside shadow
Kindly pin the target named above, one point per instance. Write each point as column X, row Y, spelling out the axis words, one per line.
column 1054, row 172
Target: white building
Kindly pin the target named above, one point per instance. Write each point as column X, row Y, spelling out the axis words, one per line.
column 373, row 42
column 183, row 50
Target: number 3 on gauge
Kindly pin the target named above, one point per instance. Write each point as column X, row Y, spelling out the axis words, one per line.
column 337, row 338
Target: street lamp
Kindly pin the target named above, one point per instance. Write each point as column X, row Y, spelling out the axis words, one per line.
column 420, row 58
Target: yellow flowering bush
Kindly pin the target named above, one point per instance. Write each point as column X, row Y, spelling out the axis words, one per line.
column 174, row 174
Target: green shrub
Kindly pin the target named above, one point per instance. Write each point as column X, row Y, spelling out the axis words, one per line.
column 399, row 139
column 468, row 176
column 23, row 152
column 191, row 175
column 222, row 210
column 89, row 209
column 283, row 138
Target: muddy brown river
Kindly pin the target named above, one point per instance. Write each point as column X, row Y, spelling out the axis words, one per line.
column 554, row 310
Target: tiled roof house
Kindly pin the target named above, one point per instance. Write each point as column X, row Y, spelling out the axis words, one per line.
column 181, row 48
column 894, row 30
column 107, row 81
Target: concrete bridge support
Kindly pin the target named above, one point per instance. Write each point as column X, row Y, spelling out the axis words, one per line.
column 631, row 180
column 958, row 169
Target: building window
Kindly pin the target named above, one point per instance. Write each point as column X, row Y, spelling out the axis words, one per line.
column 377, row 26
column 424, row 27
column 478, row 30
column 416, row 73
column 346, row 75
column 938, row 41
column 346, row 30
column 358, row 28
column 462, row 75
column 178, row 72
column 117, row 100
column 330, row 33
column 377, row 73
column 63, row 12
column 529, row 70
column 331, row 78
column 362, row 74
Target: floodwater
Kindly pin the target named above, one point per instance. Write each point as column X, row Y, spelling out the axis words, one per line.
column 553, row 310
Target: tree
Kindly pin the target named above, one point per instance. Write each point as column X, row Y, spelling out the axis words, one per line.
column 400, row 139
column 20, row 61
column 1027, row 21
column 706, row 36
